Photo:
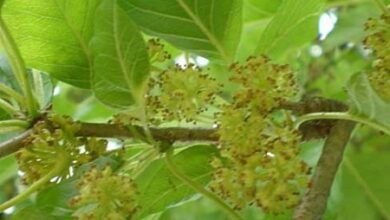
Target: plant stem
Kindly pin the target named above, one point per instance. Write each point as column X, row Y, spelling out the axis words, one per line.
column 62, row 163
column 381, row 5
column 18, row 67
column 12, row 93
column 14, row 144
column 341, row 116
column 11, row 110
column 14, row 123
column 313, row 204
column 176, row 172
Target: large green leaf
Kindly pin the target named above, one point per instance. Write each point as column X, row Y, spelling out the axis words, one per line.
column 255, row 9
column 256, row 16
column 121, row 62
column 366, row 186
column 294, row 24
column 53, row 36
column 160, row 189
column 366, row 102
column 353, row 204
column 209, row 28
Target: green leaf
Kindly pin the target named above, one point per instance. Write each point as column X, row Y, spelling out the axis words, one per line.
column 353, row 204
column 255, row 9
column 209, row 28
column 369, row 169
column 31, row 212
column 160, row 189
column 121, row 62
column 79, row 104
column 366, row 102
column 53, row 36
column 350, row 25
column 8, row 168
column 43, row 87
column 55, row 199
column 294, row 24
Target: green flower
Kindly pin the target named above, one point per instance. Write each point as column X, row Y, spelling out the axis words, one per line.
column 105, row 195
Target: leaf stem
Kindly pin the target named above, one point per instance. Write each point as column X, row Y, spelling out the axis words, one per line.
column 176, row 172
column 62, row 163
column 11, row 110
column 12, row 93
column 18, row 67
column 14, row 123
column 341, row 116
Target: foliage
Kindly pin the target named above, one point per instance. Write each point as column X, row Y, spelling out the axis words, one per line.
column 190, row 109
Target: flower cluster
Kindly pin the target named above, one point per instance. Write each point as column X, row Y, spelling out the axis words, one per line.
column 50, row 137
column 379, row 41
column 157, row 52
column 184, row 93
column 264, row 85
column 259, row 145
column 105, row 195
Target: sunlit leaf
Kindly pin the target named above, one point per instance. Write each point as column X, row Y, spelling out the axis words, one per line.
column 366, row 102
column 210, row 28
column 160, row 189
column 8, row 168
column 294, row 24
column 53, row 36
column 121, row 62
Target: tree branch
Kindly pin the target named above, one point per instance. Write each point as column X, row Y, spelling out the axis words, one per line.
column 170, row 134
column 309, row 130
column 313, row 205
column 14, row 144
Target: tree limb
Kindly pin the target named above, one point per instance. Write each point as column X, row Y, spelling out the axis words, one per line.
column 313, row 204
column 14, row 144
column 172, row 134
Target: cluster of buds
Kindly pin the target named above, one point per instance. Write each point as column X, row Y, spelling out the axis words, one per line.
column 379, row 41
column 264, row 85
column 105, row 195
column 57, row 134
column 181, row 94
column 260, row 147
column 156, row 51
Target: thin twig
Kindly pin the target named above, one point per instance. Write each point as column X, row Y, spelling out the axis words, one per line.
column 313, row 204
